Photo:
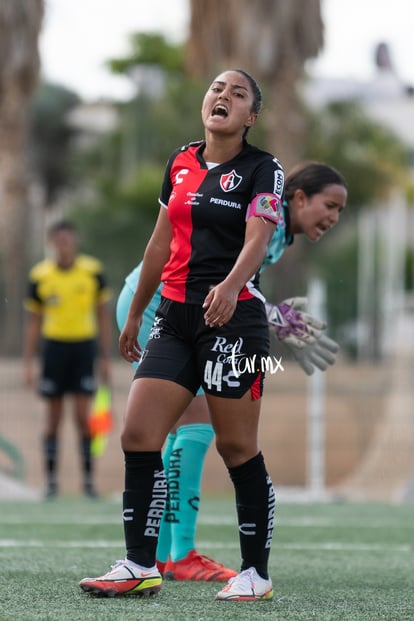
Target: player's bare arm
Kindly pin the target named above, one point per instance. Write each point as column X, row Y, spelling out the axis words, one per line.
column 221, row 301
column 155, row 257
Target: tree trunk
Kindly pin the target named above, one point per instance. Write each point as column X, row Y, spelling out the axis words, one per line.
column 20, row 23
column 13, row 214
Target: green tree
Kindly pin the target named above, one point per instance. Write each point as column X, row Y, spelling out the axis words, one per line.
column 117, row 221
column 374, row 162
column 151, row 49
column 127, row 165
column 370, row 156
column 50, row 137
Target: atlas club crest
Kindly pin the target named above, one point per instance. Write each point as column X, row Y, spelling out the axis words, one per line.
column 230, row 181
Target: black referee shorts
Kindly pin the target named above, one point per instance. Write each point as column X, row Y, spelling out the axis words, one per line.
column 225, row 361
column 67, row 367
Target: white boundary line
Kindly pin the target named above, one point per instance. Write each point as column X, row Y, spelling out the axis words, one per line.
column 305, row 522
column 324, row 547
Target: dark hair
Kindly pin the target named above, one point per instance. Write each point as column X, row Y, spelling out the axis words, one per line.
column 61, row 225
column 311, row 178
column 257, row 93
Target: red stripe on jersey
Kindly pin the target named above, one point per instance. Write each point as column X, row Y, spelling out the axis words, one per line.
column 249, row 291
column 186, row 177
column 245, row 294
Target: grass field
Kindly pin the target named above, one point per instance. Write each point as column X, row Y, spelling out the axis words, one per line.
column 328, row 562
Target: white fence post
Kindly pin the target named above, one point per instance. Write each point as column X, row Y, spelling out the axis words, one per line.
column 316, row 404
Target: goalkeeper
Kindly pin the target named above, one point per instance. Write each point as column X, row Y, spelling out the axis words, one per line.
column 187, row 444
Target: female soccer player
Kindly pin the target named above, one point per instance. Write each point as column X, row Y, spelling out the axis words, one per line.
column 220, row 207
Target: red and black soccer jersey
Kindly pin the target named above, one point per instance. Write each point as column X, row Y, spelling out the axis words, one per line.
column 207, row 211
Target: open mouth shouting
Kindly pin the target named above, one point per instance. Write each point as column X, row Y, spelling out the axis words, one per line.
column 220, row 110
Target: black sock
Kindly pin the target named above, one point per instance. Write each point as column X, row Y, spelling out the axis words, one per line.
column 255, row 501
column 50, row 449
column 87, row 464
column 144, row 502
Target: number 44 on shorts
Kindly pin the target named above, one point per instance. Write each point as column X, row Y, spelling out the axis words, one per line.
column 213, row 375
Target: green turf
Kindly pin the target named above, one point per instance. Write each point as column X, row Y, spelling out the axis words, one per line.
column 328, row 562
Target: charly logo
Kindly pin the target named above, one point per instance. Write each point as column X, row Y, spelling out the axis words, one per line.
column 230, row 181
column 179, row 177
column 248, row 529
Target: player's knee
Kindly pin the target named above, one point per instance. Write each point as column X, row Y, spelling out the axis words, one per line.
column 136, row 439
column 235, row 451
column 131, row 440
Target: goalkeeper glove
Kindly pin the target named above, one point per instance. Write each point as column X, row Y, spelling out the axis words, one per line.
column 302, row 334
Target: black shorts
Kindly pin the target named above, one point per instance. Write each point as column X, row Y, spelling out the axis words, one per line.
column 67, row 367
column 226, row 361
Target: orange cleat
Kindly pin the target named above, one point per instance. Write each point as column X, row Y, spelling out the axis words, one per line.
column 197, row 567
column 161, row 566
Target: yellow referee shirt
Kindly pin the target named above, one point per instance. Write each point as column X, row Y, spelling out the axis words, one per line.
column 67, row 298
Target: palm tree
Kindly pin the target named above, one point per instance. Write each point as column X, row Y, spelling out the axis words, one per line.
column 20, row 24
column 270, row 38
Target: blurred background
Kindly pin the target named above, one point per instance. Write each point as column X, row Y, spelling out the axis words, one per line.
column 93, row 99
